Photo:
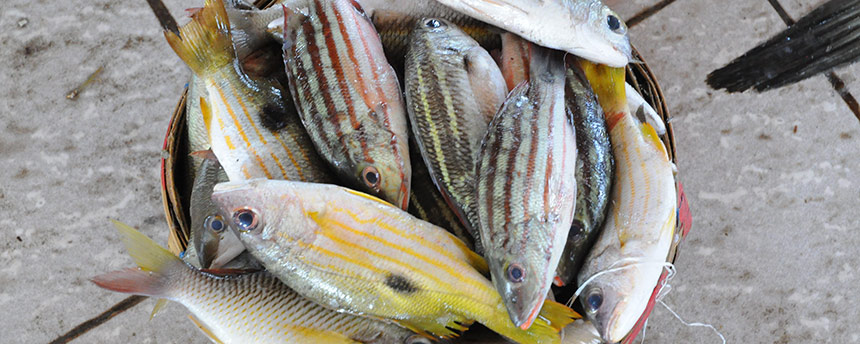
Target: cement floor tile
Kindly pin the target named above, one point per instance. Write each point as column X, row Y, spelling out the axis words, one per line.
column 629, row 8
column 767, row 200
column 69, row 166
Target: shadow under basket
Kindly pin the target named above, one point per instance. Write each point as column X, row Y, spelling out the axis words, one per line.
column 176, row 182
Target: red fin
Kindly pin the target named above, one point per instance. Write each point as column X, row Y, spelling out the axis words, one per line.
column 205, row 154
column 131, row 281
column 557, row 282
column 192, row 11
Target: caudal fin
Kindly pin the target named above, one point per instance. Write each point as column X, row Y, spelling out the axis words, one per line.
column 609, row 86
column 205, row 43
column 154, row 263
column 552, row 318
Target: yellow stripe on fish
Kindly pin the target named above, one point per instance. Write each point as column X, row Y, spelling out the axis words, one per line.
column 641, row 218
column 252, row 307
column 358, row 255
column 252, row 128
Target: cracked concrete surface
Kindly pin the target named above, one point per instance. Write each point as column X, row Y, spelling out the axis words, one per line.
column 772, row 178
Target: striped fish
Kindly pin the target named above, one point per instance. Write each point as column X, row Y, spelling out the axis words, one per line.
column 348, row 96
column 453, row 89
column 594, row 168
column 428, row 204
column 357, row 254
column 251, row 124
column 515, row 59
column 252, row 307
column 527, row 188
column 640, row 222
column 395, row 23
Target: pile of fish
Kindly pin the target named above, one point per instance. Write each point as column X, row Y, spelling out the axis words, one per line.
column 393, row 171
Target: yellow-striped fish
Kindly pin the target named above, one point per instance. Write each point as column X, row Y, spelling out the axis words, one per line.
column 453, row 89
column 348, row 96
column 355, row 253
column 253, row 307
column 428, row 204
column 640, row 222
column 526, row 187
column 252, row 128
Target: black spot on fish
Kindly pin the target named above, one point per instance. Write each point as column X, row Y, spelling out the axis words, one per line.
column 400, row 284
column 274, row 117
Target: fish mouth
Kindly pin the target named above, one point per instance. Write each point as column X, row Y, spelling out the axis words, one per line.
column 530, row 319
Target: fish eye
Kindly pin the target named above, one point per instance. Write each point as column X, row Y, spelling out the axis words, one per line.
column 215, row 223
column 433, row 23
column 516, row 273
column 614, row 24
column 357, row 6
column 594, row 300
column 371, row 177
column 246, row 220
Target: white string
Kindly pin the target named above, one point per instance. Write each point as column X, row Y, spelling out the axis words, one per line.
column 696, row 324
column 636, row 263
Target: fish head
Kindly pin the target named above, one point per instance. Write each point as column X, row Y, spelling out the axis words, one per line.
column 602, row 37
column 609, row 306
column 261, row 211
column 385, row 179
column 523, row 284
column 208, row 237
column 438, row 31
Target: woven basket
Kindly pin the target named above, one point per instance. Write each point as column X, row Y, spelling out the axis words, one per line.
column 176, row 179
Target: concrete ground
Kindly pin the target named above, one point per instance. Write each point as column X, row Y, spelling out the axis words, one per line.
column 772, row 178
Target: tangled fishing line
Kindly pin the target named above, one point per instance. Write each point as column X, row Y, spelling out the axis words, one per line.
column 665, row 287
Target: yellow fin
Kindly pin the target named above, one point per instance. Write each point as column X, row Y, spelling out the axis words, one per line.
column 147, row 254
column 204, row 43
column 609, row 85
column 545, row 329
column 205, row 330
column 557, row 315
column 652, row 138
column 159, row 305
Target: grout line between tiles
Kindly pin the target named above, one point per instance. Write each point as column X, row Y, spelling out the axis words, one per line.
column 834, row 79
column 88, row 325
column 648, row 12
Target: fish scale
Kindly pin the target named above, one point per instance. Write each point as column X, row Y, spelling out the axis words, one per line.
column 357, row 254
column 427, row 203
column 527, row 188
column 449, row 112
column 594, row 167
column 348, row 96
column 252, row 307
column 640, row 221
column 252, row 128
column 586, row 28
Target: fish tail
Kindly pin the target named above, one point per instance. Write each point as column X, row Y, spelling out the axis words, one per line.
column 609, row 86
column 557, row 315
column 155, row 262
column 545, row 329
column 205, row 43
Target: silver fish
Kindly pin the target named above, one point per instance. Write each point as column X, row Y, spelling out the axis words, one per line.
column 527, row 187
column 586, row 28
